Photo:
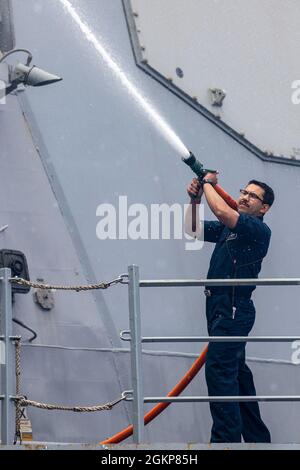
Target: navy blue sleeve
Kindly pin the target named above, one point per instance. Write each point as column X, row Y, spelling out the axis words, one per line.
column 212, row 230
column 252, row 228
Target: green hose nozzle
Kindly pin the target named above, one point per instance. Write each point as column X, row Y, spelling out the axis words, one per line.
column 196, row 166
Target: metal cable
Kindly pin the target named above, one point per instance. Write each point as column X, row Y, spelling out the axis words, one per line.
column 19, row 322
column 161, row 353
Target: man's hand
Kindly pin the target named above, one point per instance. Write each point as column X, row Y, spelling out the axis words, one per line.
column 213, row 177
column 218, row 206
column 195, row 190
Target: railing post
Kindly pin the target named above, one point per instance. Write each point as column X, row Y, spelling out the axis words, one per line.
column 136, row 353
column 7, row 359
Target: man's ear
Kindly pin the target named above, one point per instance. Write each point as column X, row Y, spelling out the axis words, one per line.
column 264, row 208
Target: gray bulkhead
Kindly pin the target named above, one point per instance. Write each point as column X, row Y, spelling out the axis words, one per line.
column 81, row 143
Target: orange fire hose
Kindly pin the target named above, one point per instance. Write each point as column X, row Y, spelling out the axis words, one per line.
column 187, row 378
column 227, row 198
column 157, row 409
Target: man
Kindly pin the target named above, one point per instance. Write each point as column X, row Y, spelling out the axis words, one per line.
column 242, row 240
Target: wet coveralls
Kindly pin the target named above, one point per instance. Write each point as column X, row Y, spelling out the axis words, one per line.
column 230, row 312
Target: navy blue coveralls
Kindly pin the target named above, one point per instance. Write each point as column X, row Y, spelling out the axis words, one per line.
column 230, row 312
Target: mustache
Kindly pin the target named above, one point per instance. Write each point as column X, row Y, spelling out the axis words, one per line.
column 244, row 203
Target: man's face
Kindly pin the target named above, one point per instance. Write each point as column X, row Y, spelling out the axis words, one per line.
column 252, row 202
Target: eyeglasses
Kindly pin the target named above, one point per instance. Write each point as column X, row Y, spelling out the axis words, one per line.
column 251, row 195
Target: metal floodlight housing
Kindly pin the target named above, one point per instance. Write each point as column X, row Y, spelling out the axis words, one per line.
column 32, row 76
column 24, row 73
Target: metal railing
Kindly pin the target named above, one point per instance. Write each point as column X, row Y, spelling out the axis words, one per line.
column 136, row 395
column 11, row 400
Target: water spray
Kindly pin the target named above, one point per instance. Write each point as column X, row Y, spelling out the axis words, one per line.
column 187, row 157
column 143, row 103
column 157, row 120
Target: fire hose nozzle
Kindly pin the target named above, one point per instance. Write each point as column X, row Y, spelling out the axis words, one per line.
column 198, row 169
column 196, row 166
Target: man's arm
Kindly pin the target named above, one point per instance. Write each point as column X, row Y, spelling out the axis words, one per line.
column 218, row 206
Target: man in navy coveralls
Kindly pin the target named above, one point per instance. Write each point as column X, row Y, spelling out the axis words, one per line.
column 242, row 240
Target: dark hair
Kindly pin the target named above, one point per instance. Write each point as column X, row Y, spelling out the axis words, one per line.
column 269, row 193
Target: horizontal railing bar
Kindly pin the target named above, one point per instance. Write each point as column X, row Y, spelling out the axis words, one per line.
column 217, row 339
column 219, row 282
column 218, row 399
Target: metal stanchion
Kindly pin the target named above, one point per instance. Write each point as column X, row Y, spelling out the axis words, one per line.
column 7, row 359
column 136, row 353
